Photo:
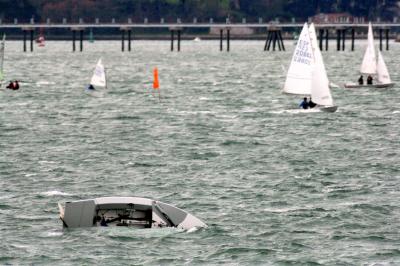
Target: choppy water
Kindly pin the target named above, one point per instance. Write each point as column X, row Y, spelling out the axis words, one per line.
column 275, row 187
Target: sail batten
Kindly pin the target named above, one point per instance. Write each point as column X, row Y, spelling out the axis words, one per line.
column 99, row 75
column 298, row 79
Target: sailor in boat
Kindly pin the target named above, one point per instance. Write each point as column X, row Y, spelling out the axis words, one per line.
column 361, row 80
column 311, row 104
column 90, row 87
column 304, row 104
column 103, row 221
column 369, row 80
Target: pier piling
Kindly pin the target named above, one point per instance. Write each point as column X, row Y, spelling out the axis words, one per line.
column 129, row 40
column 352, row 38
column 343, row 39
column 24, row 41
column 179, row 40
column 31, row 32
column 281, row 40
column 172, row 40
column 387, row 39
column 73, row 40
column 221, row 39
column 81, row 40
column 380, row 39
column 327, row 40
column 123, row 41
column 274, row 36
column 321, row 39
column 228, row 40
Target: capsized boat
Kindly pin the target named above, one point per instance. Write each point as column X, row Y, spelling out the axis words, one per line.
column 125, row 211
column 372, row 65
column 307, row 75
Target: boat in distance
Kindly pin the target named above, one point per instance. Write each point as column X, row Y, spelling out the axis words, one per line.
column 375, row 86
column 125, row 211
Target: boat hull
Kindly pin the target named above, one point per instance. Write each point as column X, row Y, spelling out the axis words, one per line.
column 132, row 212
column 328, row 109
column 376, row 86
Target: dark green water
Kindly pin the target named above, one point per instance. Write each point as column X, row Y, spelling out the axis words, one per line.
column 276, row 187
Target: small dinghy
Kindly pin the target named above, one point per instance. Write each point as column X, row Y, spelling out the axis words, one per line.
column 125, row 211
column 98, row 82
column 307, row 75
column 373, row 66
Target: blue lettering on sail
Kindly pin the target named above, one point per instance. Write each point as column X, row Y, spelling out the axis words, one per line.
column 302, row 54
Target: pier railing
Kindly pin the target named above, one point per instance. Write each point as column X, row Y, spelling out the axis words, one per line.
column 273, row 39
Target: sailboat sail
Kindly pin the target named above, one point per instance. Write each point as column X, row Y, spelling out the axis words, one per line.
column 99, row 75
column 382, row 71
column 369, row 62
column 2, row 47
column 298, row 79
column 313, row 37
column 320, row 92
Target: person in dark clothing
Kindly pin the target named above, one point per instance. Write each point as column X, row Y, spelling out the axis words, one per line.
column 311, row 104
column 304, row 104
column 90, row 87
column 361, row 80
column 103, row 221
column 10, row 85
column 14, row 85
column 369, row 80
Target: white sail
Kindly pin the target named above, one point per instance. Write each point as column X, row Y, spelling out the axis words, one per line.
column 99, row 75
column 298, row 79
column 313, row 37
column 382, row 71
column 320, row 92
column 2, row 46
column 368, row 65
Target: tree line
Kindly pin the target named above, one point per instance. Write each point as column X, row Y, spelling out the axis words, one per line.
column 203, row 10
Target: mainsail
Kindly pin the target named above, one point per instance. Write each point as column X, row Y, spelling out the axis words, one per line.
column 99, row 75
column 382, row 71
column 368, row 65
column 298, row 79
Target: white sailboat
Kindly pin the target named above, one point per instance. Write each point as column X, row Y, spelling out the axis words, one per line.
column 98, row 80
column 307, row 74
column 320, row 91
column 372, row 65
column 2, row 47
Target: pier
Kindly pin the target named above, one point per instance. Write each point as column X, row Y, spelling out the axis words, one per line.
column 274, row 32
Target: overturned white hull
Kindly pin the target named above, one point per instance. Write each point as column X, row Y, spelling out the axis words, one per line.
column 125, row 211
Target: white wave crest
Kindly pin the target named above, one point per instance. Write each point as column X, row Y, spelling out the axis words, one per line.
column 54, row 193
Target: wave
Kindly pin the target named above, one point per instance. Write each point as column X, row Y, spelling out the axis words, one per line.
column 54, row 193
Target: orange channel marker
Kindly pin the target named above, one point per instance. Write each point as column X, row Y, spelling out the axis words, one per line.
column 156, row 83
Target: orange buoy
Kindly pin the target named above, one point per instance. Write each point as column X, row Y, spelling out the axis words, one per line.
column 156, row 83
